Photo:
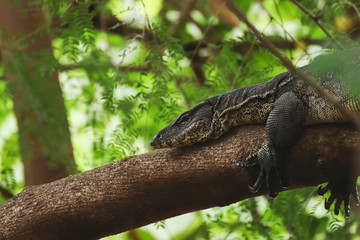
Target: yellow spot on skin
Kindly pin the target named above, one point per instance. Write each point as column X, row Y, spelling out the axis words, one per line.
column 186, row 139
column 174, row 143
column 164, row 145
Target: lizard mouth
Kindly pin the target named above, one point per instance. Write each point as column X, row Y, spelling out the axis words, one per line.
column 157, row 142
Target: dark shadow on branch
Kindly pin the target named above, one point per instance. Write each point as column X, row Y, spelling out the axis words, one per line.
column 5, row 192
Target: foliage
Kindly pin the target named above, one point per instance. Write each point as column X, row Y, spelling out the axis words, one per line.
column 126, row 80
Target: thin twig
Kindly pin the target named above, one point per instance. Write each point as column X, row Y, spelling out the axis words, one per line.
column 288, row 64
column 147, row 27
column 102, row 20
column 147, row 19
column 283, row 28
column 205, row 32
column 317, row 21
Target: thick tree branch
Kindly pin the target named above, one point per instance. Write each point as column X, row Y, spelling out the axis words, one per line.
column 145, row 188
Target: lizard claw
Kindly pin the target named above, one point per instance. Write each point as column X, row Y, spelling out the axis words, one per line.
column 258, row 183
column 340, row 190
column 267, row 170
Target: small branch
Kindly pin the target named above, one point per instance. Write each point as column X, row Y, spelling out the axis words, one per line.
column 185, row 13
column 102, row 19
column 284, row 29
column 144, row 68
column 317, row 21
column 288, row 64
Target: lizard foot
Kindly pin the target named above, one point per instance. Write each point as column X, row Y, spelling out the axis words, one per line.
column 270, row 171
column 340, row 192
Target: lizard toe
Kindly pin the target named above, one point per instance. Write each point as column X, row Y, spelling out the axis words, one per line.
column 322, row 190
column 337, row 206
column 329, row 201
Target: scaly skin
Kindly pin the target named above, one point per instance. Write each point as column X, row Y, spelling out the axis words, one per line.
column 286, row 104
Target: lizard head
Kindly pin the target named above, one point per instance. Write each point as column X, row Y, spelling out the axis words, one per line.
column 188, row 128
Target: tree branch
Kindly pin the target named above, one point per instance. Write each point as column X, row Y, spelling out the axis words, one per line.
column 145, row 188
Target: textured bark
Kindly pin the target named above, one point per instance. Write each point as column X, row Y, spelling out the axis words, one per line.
column 145, row 188
column 38, row 103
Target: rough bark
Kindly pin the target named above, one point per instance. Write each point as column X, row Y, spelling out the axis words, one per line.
column 145, row 188
column 38, row 103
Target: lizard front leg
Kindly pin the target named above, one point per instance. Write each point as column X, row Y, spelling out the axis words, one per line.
column 283, row 126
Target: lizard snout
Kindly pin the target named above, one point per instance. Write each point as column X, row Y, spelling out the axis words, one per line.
column 156, row 141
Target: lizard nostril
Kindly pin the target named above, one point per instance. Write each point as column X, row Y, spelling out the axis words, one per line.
column 158, row 136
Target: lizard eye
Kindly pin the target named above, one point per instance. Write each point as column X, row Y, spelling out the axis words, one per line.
column 185, row 119
column 182, row 120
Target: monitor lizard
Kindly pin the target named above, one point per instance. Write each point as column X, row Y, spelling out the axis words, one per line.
column 286, row 104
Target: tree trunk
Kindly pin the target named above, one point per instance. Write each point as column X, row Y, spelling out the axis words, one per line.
column 44, row 136
column 145, row 188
